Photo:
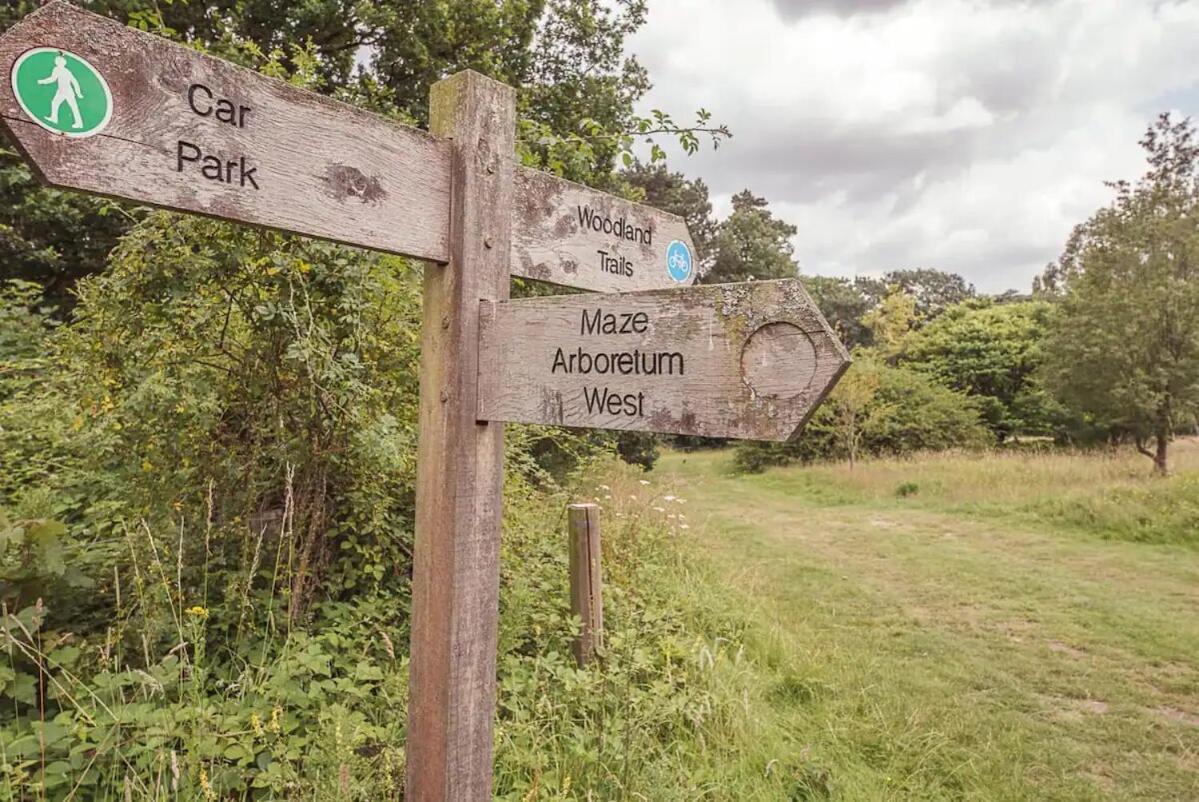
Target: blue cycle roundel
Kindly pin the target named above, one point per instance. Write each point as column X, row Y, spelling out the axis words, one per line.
column 678, row 260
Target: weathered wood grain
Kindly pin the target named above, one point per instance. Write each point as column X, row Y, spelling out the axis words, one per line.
column 455, row 582
column 749, row 360
column 586, row 579
column 322, row 168
column 552, row 240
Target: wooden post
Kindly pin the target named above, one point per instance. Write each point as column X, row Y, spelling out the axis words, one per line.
column 586, row 581
column 455, row 582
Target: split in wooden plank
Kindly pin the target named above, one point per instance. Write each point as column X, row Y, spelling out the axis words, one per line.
column 568, row 234
column 198, row 134
column 750, row 360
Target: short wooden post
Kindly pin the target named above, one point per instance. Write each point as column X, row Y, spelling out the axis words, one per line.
column 586, row 581
column 455, row 573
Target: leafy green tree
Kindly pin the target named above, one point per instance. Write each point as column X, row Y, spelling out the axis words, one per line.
column 993, row 352
column 934, row 290
column 892, row 321
column 1124, row 346
column 843, row 305
column 751, row 243
column 855, row 411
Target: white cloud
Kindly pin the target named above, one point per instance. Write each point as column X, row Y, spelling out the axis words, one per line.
column 966, row 136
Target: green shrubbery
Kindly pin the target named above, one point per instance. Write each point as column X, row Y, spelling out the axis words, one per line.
column 899, row 411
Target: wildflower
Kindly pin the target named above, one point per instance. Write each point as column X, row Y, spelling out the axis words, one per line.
column 643, row 481
column 669, row 498
column 659, row 509
column 684, row 526
column 604, row 487
column 256, row 725
column 209, row 793
column 197, row 612
column 276, row 713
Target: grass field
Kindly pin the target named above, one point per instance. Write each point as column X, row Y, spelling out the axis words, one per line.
column 1003, row 627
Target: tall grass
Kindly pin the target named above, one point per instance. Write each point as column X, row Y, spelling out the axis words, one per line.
column 207, row 692
column 1111, row 494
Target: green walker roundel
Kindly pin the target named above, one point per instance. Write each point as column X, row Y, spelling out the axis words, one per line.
column 62, row 92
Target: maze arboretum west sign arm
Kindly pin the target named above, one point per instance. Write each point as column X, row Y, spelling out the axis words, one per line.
column 101, row 108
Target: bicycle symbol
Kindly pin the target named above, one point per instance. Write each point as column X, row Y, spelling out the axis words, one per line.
column 678, row 261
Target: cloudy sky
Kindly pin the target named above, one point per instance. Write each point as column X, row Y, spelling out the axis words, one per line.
column 964, row 136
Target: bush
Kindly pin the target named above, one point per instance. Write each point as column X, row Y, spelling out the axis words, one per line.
column 904, row 412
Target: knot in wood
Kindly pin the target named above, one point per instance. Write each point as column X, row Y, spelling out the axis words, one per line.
column 778, row 361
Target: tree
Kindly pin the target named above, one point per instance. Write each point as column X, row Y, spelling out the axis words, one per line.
column 933, row 290
column 843, row 305
column 892, row 321
column 752, row 244
column 1124, row 346
column 991, row 351
column 854, row 411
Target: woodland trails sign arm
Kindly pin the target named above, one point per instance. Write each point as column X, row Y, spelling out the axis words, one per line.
column 189, row 132
column 568, row 234
column 746, row 360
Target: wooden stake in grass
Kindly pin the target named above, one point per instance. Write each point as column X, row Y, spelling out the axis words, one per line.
column 586, row 581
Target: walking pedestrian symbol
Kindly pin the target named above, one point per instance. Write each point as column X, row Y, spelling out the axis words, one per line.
column 62, row 92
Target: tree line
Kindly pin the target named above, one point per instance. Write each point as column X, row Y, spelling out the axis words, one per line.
column 1103, row 350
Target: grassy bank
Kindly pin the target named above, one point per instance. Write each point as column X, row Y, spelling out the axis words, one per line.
column 804, row 634
column 1104, row 494
column 966, row 626
column 234, row 702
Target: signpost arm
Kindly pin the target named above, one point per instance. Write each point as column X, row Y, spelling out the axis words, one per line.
column 455, row 582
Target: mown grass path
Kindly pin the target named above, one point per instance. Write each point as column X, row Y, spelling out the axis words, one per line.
column 939, row 649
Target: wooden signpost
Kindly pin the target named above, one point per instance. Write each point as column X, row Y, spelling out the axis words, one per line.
column 101, row 108
column 730, row 360
column 565, row 233
column 198, row 134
